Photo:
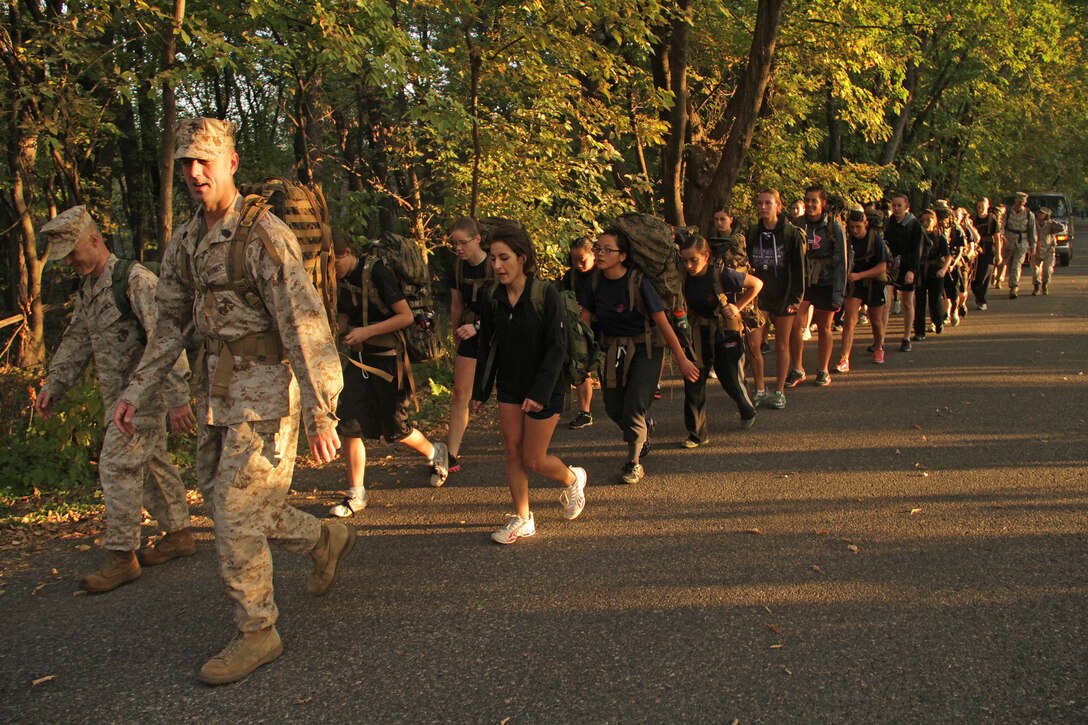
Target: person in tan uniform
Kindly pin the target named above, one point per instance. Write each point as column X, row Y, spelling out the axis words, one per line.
column 1044, row 251
column 1018, row 231
column 134, row 472
column 268, row 359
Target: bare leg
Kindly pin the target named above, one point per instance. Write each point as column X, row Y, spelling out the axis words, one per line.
column 825, row 338
column 797, row 340
column 463, row 370
column 755, row 356
column 783, row 328
column 849, row 323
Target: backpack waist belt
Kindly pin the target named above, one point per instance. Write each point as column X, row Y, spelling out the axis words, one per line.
column 263, row 348
column 394, row 344
column 611, row 375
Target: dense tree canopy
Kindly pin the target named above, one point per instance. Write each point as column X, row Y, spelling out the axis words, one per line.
column 556, row 113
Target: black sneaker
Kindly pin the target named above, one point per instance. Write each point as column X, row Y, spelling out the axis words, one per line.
column 919, row 337
column 657, row 393
column 795, row 378
column 871, row 348
column 455, row 464
column 645, row 450
column 632, row 472
column 582, row 420
column 823, row 378
column 765, row 347
column 904, row 346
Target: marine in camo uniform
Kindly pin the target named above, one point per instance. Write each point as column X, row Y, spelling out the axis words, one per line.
column 268, row 358
column 134, row 472
column 1019, row 233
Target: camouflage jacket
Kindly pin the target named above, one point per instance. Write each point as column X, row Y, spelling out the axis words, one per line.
column 309, row 378
column 99, row 331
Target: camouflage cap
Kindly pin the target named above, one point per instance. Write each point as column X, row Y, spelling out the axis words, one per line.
column 1045, row 211
column 1022, row 195
column 66, row 229
column 203, row 138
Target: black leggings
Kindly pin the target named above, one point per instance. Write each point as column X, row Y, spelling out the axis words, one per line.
column 982, row 277
column 628, row 403
column 728, row 363
column 930, row 288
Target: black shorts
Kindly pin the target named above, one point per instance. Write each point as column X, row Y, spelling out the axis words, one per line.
column 552, row 408
column 370, row 407
column 870, row 292
column 469, row 348
column 819, row 296
column 773, row 308
column 900, row 282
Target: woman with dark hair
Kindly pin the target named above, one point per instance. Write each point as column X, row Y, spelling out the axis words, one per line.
column 715, row 297
column 863, row 285
column 523, row 350
column 582, row 263
column 468, row 281
column 627, row 310
column 377, row 388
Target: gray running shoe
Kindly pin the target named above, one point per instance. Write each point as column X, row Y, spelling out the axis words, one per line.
column 776, row 400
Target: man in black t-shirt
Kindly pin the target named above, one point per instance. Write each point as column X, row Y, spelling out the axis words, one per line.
column 903, row 235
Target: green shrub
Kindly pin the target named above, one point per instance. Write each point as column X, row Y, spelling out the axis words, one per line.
column 48, row 456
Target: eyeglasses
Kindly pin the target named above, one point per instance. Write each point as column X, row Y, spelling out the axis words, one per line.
column 461, row 243
column 597, row 249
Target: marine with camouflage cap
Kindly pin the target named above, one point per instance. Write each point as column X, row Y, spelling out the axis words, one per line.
column 268, row 357
column 1018, row 230
column 134, row 471
column 1044, row 251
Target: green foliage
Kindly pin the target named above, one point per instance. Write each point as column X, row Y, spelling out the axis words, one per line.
column 46, row 457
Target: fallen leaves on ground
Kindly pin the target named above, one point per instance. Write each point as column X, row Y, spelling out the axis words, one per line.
column 853, row 548
column 42, row 680
column 915, row 511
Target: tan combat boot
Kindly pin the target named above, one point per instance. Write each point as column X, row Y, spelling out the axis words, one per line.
column 174, row 544
column 336, row 542
column 245, row 653
column 119, row 567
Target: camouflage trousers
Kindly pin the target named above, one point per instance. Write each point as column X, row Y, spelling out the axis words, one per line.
column 1014, row 261
column 1042, row 266
column 136, row 473
column 244, row 472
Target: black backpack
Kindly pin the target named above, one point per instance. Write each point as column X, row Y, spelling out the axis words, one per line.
column 122, row 270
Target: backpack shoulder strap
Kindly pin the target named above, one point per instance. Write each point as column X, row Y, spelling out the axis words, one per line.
column 119, row 286
column 537, row 293
column 369, row 292
column 253, row 210
column 458, row 273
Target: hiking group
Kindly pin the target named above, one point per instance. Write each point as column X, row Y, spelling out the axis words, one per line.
column 291, row 325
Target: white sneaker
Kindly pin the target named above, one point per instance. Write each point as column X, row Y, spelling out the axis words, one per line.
column 807, row 334
column 515, row 528
column 440, row 464
column 573, row 498
column 348, row 507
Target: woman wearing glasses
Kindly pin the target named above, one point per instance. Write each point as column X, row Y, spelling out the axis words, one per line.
column 625, row 304
column 468, row 281
column 523, row 348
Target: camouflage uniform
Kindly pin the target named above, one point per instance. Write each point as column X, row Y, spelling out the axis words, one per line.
column 248, row 407
column 1019, row 231
column 1044, row 253
column 132, row 470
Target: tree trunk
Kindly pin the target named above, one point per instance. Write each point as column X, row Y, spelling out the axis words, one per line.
column 22, row 154
column 899, row 126
column 675, row 71
column 715, row 161
column 169, row 130
column 475, row 61
column 834, row 132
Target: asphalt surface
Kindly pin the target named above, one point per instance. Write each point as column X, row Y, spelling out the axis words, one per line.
column 909, row 544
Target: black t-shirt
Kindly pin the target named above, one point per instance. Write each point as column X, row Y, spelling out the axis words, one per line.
column 987, row 228
column 699, row 291
column 860, row 253
column 938, row 250
column 576, row 280
column 618, row 316
column 469, row 272
column 384, row 283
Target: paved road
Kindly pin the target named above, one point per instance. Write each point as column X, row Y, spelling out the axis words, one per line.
column 907, row 545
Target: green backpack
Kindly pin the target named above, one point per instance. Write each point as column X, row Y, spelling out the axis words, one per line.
column 119, row 286
column 407, row 260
